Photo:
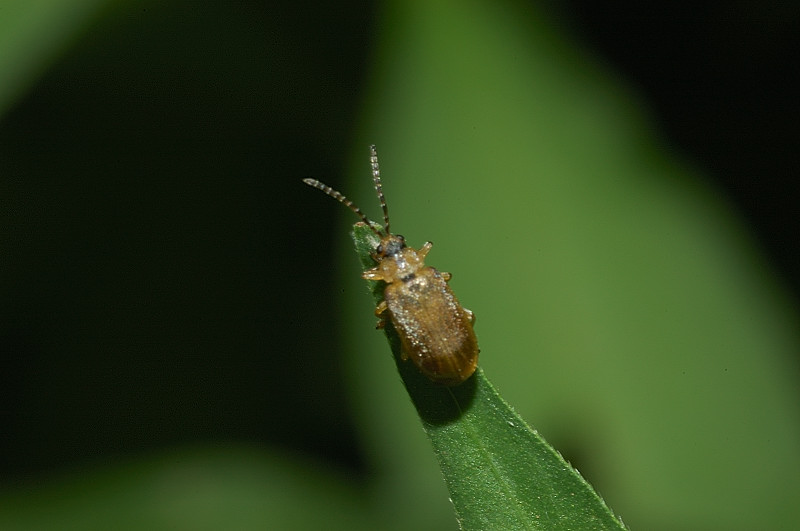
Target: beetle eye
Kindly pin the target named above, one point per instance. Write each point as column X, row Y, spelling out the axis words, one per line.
column 379, row 249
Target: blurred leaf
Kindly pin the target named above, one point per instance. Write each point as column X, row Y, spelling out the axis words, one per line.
column 32, row 34
column 500, row 473
column 200, row 488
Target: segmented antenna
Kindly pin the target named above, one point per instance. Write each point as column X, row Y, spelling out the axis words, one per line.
column 342, row 199
column 376, row 178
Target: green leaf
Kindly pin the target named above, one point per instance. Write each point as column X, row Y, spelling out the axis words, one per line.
column 501, row 474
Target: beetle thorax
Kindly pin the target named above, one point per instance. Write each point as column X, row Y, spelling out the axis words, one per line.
column 401, row 265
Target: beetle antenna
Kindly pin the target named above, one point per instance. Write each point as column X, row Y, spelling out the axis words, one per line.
column 376, row 177
column 342, row 199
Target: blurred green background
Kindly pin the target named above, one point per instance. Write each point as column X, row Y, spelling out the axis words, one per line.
column 186, row 340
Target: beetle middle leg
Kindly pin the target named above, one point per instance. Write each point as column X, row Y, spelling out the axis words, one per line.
column 380, row 313
column 470, row 315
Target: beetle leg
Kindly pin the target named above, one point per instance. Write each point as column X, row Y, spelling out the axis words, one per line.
column 423, row 252
column 380, row 312
column 372, row 274
column 446, row 276
column 470, row 315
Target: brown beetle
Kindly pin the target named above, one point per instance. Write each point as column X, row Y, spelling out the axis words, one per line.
column 435, row 330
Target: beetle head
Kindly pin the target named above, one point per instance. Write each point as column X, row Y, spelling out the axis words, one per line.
column 390, row 245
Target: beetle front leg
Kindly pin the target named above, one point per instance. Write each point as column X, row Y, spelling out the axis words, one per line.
column 372, row 274
column 424, row 250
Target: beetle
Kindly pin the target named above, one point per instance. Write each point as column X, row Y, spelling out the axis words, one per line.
column 435, row 331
